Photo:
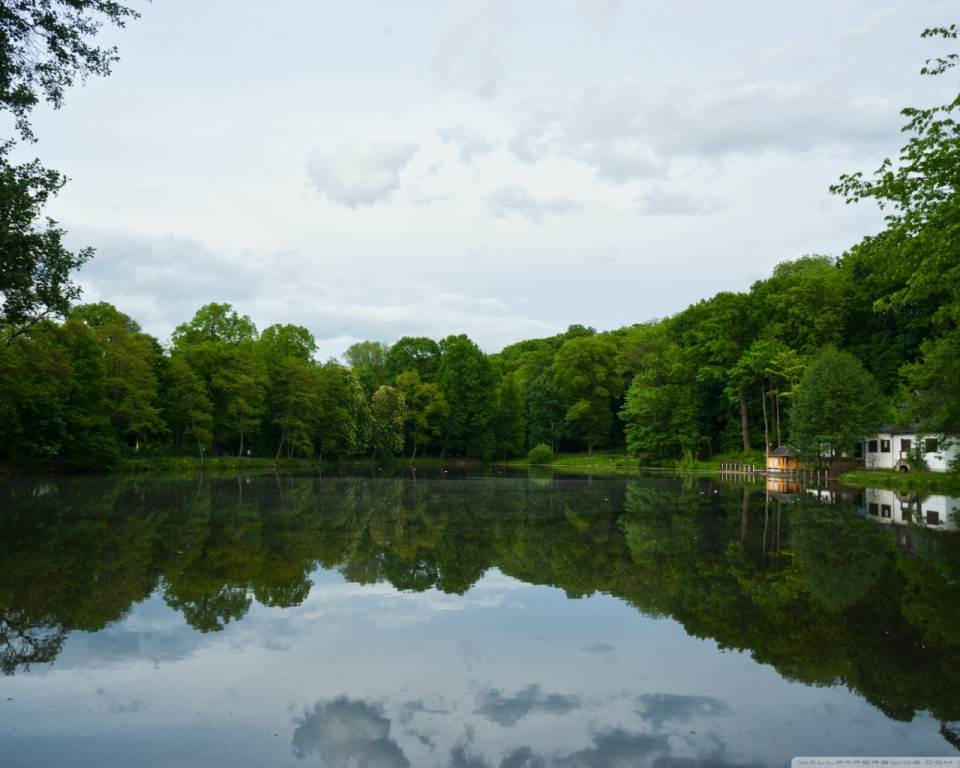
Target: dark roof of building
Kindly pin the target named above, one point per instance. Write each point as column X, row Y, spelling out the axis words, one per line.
column 784, row 450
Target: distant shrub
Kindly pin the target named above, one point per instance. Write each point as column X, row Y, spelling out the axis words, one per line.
column 540, row 454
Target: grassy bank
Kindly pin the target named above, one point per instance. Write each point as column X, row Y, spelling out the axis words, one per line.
column 947, row 483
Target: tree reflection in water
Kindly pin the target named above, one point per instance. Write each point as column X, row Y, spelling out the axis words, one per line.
column 807, row 587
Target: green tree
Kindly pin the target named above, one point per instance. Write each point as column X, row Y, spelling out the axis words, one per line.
column 412, row 353
column 217, row 344
column 388, row 410
column 286, row 351
column 343, row 422
column 427, row 410
column 508, row 421
column 713, row 334
column 186, row 407
column 466, row 381
column 296, row 405
column 803, row 304
column 661, row 411
column 837, row 402
column 33, row 374
column 35, row 267
column 131, row 360
column 586, row 374
column 368, row 360
column 920, row 193
column 88, row 440
column 44, row 46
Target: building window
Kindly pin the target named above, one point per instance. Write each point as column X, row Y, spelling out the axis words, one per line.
column 906, row 445
column 933, row 517
column 884, row 446
column 872, row 446
column 885, row 510
column 930, row 445
column 874, row 509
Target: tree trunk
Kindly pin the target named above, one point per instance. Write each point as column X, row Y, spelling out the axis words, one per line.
column 240, row 454
column 744, row 516
column 766, row 428
column 744, row 422
column 776, row 415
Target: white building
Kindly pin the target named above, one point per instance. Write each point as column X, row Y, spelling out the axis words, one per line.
column 892, row 448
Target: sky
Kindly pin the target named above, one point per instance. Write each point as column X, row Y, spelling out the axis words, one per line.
column 378, row 169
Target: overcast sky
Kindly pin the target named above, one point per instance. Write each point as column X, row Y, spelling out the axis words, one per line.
column 500, row 168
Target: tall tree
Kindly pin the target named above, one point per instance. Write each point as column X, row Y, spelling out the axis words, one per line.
column 803, row 304
column 186, row 408
column 35, row 267
column 388, row 411
column 427, row 410
column 466, row 380
column 586, row 373
column 837, row 402
column 509, row 431
column 296, row 405
column 44, row 46
column 661, row 411
column 217, row 345
column 131, row 360
column 412, row 353
column 921, row 194
column 368, row 360
column 343, row 422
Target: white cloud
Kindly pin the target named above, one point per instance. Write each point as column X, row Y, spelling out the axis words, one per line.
column 513, row 199
column 470, row 145
column 664, row 202
column 355, row 175
column 161, row 282
column 601, row 11
column 637, row 128
column 474, row 47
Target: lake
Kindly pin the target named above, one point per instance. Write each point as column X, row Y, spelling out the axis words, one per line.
column 469, row 617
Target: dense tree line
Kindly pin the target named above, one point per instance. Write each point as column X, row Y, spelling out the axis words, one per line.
column 814, row 355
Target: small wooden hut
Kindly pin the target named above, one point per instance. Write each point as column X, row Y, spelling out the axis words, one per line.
column 783, row 459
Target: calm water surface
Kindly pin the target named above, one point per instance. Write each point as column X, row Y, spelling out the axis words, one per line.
column 473, row 619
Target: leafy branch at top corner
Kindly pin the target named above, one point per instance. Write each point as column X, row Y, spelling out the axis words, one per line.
column 940, row 65
column 926, row 173
column 45, row 45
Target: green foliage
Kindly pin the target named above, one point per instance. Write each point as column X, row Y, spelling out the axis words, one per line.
column 34, row 265
column 837, row 402
column 661, row 411
column 466, row 381
column 427, row 410
column 132, row 363
column 343, row 415
column 388, row 411
column 368, row 359
column 409, row 353
column 803, row 304
column 45, row 45
column 920, row 193
column 540, row 454
column 508, row 423
column 585, row 370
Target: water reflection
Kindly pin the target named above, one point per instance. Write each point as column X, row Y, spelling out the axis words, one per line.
column 795, row 581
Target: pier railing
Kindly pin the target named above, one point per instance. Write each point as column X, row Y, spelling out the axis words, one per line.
column 799, row 475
